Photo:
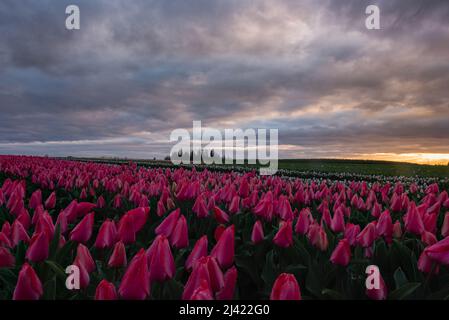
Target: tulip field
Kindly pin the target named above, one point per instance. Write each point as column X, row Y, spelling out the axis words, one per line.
column 136, row 233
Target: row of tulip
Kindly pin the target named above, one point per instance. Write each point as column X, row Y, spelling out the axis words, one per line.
column 173, row 233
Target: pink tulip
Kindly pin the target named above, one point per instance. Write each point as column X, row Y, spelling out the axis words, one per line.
column 284, row 236
column 84, row 258
column 367, row 236
column 135, row 284
column 51, row 201
column 28, row 287
column 160, row 260
column 304, row 219
column 118, row 256
column 199, row 250
column 285, row 288
column 342, row 253
column 230, row 280
column 39, row 248
column 83, row 230
column 223, row 251
column 168, row 224
column 179, row 237
column 105, row 291
column 107, row 235
column 257, row 234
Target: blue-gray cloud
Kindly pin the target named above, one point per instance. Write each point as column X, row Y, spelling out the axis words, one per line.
column 309, row 68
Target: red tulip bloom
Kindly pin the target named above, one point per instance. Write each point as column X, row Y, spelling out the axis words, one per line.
column 378, row 294
column 342, row 253
column 338, row 221
column 303, row 223
column 367, row 236
column 118, row 256
column 198, row 251
column 428, row 238
column 413, row 222
column 28, row 287
column 230, row 280
column 51, row 201
column 18, row 233
column 202, row 292
column 7, row 260
column 351, row 233
column 107, row 235
column 38, row 249
column 139, row 217
column 397, row 230
column 160, row 260
column 284, row 209
column 200, row 208
column 317, row 237
column 179, row 237
column 426, row 265
column 257, row 234
column 126, row 230
column 384, row 225
column 439, row 252
column 285, row 288
column 168, row 224
column 83, row 208
column 101, row 203
column 284, row 237
column 234, row 207
column 223, row 251
column 105, row 291
column 36, row 199
column 221, row 216
column 84, row 258
column 135, row 284
column 219, row 231
column 199, row 274
column 83, row 230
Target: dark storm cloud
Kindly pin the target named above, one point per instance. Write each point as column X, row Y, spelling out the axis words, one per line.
column 136, row 70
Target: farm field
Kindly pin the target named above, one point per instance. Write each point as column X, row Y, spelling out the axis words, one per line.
column 361, row 167
column 136, row 232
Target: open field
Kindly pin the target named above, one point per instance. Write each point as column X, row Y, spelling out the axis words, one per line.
column 362, row 167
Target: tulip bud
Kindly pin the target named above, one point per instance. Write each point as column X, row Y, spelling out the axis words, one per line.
column 83, row 230
column 107, row 235
column 51, row 201
column 84, row 258
column 105, row 291
column 285, row 288
column 230, row 280
column 160, row 260
column 135, row 284
column 168, row 224
column 198, row 251
column 284, row 236
column 28, row 287
column 118, row 256
column 342, row 253
column 39, row 248
column 179, row 237
column 257, row 234
column 223, row 250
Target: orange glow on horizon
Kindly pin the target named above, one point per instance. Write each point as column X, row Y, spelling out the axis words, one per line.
column 419, row 158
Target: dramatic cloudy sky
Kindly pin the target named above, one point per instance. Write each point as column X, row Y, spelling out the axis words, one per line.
column 138, row 69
